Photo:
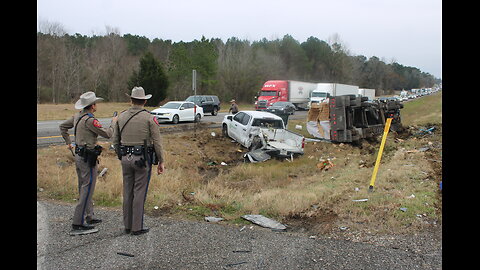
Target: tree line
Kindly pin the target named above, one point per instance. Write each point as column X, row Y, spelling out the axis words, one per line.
column 108, row 64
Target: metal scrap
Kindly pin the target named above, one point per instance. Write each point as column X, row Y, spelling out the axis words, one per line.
column 213, row 219
column 265, row 222
column 257, row 155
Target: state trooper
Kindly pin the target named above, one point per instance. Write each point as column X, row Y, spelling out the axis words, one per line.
column 137, row 141
column 86, row 130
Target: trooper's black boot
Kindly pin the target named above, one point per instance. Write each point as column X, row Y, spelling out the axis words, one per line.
column 82, row 229
column 142, row 231
column 93, row 221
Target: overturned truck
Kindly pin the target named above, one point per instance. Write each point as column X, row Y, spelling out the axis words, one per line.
column 350, row 118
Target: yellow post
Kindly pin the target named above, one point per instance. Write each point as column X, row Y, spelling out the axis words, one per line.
column 380, row 152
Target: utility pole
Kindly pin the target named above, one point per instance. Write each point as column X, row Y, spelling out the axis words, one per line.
column 194, row 88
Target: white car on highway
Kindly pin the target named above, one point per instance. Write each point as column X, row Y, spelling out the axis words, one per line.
column 178, row 111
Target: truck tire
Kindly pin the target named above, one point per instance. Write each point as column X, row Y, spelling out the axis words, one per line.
column 225, row 131
column 215, row 111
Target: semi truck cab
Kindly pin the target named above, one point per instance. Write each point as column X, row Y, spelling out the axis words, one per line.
column 271, row 92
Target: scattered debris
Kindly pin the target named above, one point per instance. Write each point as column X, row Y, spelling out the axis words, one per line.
column 241, row 251
column 425, row 131
column 357, row 189
column 312, row 237
column 423, row 149
column 411, row 196
column 155, row 207
column 243, row 228
column 265, row 222
column 325, row 165
column 103, row 172
column 213, row 134
column 343, row 228
column 233, row 264
column 223, row 163
column 404, row 209
column 299, row 127
column 360, row 200
column 362, row 163
column 125, row 254
column 213, row 219
column 212, row 163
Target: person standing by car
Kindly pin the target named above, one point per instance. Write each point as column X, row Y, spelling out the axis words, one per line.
column 233, row 107
column 86, row 130
column 138, row 145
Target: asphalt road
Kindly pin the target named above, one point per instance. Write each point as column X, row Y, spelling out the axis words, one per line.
column 177, row 244
column 49, row 134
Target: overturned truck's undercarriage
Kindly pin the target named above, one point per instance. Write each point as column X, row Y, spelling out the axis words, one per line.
column 352, row 118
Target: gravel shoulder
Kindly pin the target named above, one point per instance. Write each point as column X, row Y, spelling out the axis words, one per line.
column 180, row 244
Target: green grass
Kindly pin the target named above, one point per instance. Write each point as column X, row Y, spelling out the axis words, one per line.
column 427, row 109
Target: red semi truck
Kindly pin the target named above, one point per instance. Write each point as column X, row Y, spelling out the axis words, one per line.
column 296, row 92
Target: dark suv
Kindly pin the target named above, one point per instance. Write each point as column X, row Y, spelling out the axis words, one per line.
column 210, row 104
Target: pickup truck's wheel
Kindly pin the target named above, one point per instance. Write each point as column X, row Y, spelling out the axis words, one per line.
column 225, row 131
column 175, row 119
column 197, row 118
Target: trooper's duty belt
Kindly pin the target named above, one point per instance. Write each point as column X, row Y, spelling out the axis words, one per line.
column 89, row 155
column 138, row 150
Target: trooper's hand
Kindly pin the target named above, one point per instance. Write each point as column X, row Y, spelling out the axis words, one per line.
column 70, row 146
column 160, row 168
column 114, row 119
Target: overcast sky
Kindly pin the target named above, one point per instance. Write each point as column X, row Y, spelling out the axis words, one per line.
column 407, row 31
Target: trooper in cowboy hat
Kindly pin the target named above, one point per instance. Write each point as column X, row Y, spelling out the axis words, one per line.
column 87, row 99
column 233, row 107
column 86, row 130
column 137, row 140
column 139, row 93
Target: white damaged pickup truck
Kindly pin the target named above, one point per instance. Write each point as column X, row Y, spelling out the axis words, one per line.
column 264, row 134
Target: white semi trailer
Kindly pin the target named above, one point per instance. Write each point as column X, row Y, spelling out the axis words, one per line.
column 326, row 90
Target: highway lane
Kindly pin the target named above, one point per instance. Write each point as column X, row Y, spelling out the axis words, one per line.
column 186, row 244
column 49, row 134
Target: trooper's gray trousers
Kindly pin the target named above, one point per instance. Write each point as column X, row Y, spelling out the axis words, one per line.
column 87, row 177
column 135, row 187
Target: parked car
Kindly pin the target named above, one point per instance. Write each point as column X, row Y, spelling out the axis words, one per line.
column 210, row 104
column 282, row 107
column 263, row 130
column 178, row 111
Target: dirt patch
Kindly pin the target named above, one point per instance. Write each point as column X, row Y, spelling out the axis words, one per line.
column 314, row 220
column 204, row 150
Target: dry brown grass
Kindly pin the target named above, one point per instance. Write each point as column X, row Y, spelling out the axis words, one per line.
column 64, row 111
column 296, row 193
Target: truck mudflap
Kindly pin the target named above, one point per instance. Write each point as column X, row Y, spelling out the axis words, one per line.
column 354, row 118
